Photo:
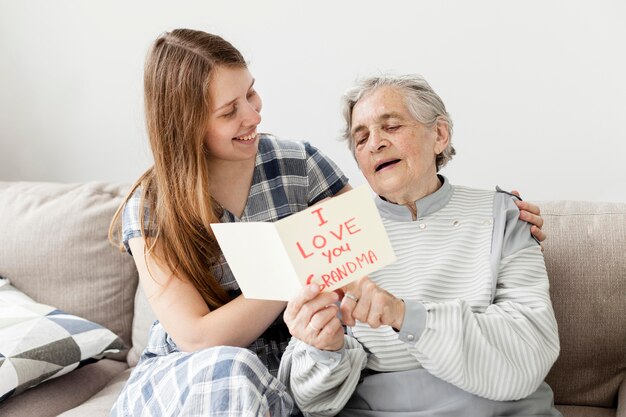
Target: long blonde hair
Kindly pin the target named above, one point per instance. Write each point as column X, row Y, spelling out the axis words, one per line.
column 175, row 189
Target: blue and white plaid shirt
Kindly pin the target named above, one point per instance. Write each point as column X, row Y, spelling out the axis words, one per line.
column 288, row 177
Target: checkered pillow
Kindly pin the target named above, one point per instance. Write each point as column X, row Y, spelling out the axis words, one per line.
column 39, row 342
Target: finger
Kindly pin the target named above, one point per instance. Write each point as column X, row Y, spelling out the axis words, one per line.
column 515, row 192
column 340, row 293
column 375, row 313
column 304, row 296
column 362, row 308
column 351, row 296
column 382, row 309
column 324, row 331
column 312, row 307
column 393, row 315
column 347, row 307
column 538, row 233
column 322, row 317
column 331, row 337
column 349, row 303
column 528, row 206
column 311, row 328
column 533, row 219
column 307, row 302
column 361, row 311
column 302, row 324
column 353, row 288
column 333, row 327
column 388, row 315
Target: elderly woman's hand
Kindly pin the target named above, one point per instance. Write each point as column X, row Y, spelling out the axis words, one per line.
column 531, row 213
column 368, row 303
column 312, row 317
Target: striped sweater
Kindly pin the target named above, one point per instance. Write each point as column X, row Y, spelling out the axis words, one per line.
column 478, row 312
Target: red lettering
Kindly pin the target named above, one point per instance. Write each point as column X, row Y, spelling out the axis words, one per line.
column 338, row 236
column 372, row 256
column 326, row 279
column 316, row 239
column 362, row 260
column 351, row 226
column 304, row 255
column 309, row 279
column 319, row 214
column 341, row 272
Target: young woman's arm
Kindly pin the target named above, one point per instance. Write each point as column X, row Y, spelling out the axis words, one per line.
column 185, row 315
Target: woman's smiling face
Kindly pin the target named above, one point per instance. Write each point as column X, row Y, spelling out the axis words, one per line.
column 231, row 133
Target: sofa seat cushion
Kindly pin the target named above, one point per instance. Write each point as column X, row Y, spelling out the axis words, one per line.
column 579, row 411
column 100, row 404
column 68, row 391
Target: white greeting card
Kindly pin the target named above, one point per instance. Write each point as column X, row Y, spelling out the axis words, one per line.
column 331, row 243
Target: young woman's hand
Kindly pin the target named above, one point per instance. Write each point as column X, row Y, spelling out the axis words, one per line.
column 312, row 317
column 531, row 213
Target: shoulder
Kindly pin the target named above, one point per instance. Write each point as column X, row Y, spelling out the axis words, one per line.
column 516, row 233
column 469, row 193
column 272, row 147
column 130, row 213
column 131, row 217
column 504, row 203
column 470, row 202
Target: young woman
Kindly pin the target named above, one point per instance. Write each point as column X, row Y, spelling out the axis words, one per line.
column 212, row 351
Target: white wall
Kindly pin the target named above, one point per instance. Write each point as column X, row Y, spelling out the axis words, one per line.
column 537, row 89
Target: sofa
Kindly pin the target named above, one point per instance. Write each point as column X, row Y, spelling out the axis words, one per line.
column 54, row 249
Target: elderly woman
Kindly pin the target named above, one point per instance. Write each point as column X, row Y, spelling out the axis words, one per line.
column 461, row 324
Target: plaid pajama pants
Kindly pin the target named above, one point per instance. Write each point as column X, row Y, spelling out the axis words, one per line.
column 221, row 381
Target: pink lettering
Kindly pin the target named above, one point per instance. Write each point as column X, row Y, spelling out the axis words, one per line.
column 319, row 215
column 351, row 226
column 304, row 255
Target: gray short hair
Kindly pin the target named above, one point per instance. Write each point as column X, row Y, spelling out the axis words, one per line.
column 422, row 101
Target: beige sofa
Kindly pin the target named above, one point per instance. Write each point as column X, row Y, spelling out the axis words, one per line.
column 54, row 248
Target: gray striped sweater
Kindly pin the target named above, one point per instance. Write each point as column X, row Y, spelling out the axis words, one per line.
column 478, row 311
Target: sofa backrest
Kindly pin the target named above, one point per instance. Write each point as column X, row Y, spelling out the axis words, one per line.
column 54, row 248
column 585, row 256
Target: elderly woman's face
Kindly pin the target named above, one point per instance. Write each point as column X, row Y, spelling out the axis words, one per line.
column 395, row 152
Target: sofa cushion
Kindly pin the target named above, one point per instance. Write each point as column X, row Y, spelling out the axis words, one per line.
column 142, row 322
column 71, row 390
column 100, row 404
column 39, row 342
column 579, row 411
column 55, row 249
column 586, row 265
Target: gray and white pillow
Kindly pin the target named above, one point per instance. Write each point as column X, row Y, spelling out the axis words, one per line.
column 39, row 342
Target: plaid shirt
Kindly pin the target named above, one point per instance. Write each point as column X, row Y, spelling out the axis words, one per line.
column 288, row 177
